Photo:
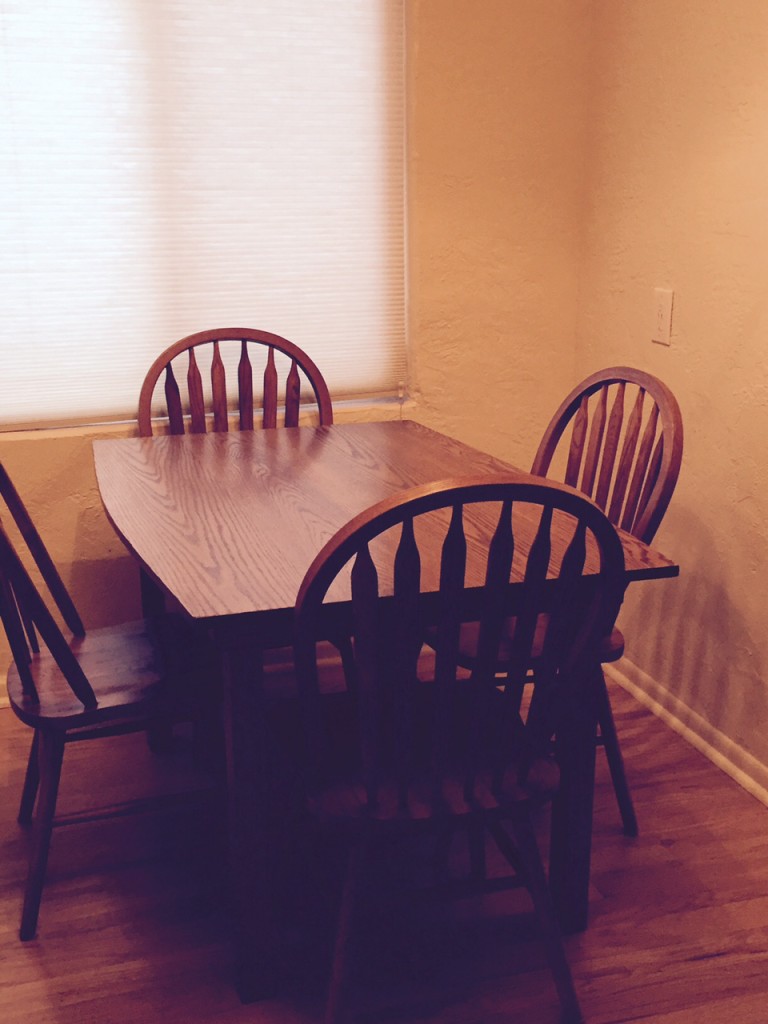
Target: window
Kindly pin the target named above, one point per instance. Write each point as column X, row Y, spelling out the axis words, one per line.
column 172, row 166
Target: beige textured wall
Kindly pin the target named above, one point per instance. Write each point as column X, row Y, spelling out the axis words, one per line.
column 496, row 153
column 679, row 198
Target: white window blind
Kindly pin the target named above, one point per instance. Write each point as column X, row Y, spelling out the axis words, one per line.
column 168, row 166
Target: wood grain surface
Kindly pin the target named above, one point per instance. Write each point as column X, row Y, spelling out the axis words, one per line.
column 229, row 523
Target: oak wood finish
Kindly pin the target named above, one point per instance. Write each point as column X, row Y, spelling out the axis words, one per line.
column 227, row 523
column 97, row 684
column 447, row 752
column 625, row 451
column 208, row 406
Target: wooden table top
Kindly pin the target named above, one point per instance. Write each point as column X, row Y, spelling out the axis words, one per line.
column 229, row 523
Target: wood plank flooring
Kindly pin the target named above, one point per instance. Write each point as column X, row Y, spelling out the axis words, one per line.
column 133, row 926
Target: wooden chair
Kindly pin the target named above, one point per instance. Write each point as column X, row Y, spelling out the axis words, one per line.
column 438, row 752
column 208, row 407
column 624, row 450
column 104, row 683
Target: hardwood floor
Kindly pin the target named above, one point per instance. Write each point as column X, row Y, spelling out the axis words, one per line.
column 132, row 927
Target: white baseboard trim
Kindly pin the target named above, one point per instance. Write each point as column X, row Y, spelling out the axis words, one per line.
column 729, row 756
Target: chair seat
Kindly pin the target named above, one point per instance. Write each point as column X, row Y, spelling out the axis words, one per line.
column 124, row 666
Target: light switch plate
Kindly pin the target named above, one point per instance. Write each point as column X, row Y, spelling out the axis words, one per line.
column 661, row 331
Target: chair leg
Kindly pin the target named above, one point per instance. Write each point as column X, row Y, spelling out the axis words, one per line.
column 31, row 783
column 160, row 736
column 476, row 841
column 526, row 856
column 343, row 645
column 610, row 741
column 51, row 754
column 337, row 989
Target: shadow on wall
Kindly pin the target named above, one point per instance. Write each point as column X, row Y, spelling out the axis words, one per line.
column 106, row 591
column 688, row 635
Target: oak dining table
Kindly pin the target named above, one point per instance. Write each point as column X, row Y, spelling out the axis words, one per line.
column 226, row 524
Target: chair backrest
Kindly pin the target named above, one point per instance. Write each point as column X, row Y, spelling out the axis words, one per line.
column 236, row 347
column 477, row 550
column 629, row 466
column 23, row 609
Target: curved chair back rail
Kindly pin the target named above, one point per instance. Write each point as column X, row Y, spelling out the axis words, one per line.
column 625, row 448
column 191, row 403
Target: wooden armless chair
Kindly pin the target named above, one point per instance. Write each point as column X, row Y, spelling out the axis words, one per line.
column 286, row 374
column 436, row 751
column 104, row 683
column 624, row 450
column 207, row 407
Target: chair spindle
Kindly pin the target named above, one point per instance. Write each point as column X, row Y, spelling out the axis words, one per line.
column 269, row 419
column 196, row 402
column 245, row 388
column 631, row 507
column 292, row 396
column 173, row 402
column 627, row 458
column 610, row 447
column 219, row 391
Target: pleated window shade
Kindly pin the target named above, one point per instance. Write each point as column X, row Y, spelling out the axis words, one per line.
column 169, row 166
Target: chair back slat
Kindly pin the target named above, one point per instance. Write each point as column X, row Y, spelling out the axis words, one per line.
column 453, row 561
column 39, row 553
column 421, row 732
column 576, row 450
column 408, row 639
column 173, row 402
column 219, row 392
column 289, row 376
column 626, row 459
column 292, row 396
column 27, row 597
column 498, row 572
column 368, row 657
column 632, row 506
column 25, row 612
column 645, row 506
column 610, row 447
column 560, row 635
column 196, row 400
column 637, row 498
column 269, row 417
column 18, row 637
column 245, row 388
column 595, row 443
column 525, row 638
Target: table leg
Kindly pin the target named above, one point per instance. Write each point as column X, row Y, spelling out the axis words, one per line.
column 159, row 732
column 571, row 837
column 253, row 822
